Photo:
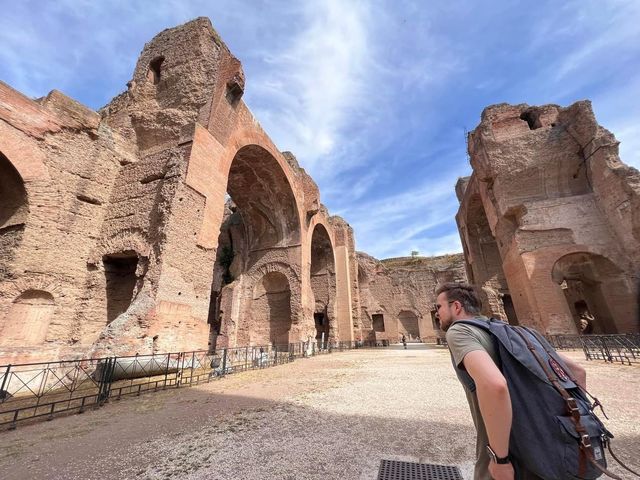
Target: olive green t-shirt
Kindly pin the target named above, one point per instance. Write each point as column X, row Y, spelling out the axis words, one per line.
column 463, row 339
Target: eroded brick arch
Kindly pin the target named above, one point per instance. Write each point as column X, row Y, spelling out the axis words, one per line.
column 323, row 281
column 263, row 194
column 594, row 285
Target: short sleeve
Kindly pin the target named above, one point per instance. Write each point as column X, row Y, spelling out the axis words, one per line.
column 463, row 339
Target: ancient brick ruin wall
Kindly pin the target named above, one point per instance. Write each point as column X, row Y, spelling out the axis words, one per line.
column 398, row 295
column 110, row 239
column 549, row 219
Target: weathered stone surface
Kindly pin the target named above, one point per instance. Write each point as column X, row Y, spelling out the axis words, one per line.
column 549, row 219
column 397, row 295
column 114, row 234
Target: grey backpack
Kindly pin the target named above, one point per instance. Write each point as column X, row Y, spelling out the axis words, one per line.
column 555, row 433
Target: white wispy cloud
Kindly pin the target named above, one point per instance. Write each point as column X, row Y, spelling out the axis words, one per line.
column 387, row 226
column 367, row 94
column 313, row 90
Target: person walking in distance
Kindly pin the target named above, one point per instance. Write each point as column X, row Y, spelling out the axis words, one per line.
column 472, row 350
column 404, row 341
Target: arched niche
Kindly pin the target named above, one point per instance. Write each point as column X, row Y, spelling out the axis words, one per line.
column 121, row 282
column 14, row 209
column 27, row 321
column 593, row 285
column 323, row 282
column 261, row 191
column 271, row 311
column 408, row 324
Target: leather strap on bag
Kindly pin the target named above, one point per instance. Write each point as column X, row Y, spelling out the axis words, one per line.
column 596, row 403
column 586, row 449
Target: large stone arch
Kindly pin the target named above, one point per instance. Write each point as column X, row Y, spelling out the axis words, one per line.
column 262, row 191
column 322, row 280
column 483, row 256
column 595, row 286
column 260, row 296
column 260, row 224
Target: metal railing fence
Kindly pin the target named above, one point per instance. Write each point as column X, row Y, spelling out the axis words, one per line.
column 44, row 390
column 623, row 348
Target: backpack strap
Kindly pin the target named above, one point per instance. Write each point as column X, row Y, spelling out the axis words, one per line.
column 586, row 450
column 613, row 455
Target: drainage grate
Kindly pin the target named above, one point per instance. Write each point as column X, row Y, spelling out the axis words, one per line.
column 396, row 470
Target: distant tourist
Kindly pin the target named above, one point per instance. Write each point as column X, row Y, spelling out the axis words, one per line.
column 404, row 341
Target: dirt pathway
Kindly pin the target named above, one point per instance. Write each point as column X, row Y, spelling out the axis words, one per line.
column 329, row 417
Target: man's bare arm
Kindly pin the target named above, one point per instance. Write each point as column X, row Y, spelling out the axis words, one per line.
column 493, row 399
column 578, row 372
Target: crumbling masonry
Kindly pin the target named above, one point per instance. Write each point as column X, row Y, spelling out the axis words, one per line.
column 166, row 221
column 169, row 221
column 397, row 295
column 550, row 220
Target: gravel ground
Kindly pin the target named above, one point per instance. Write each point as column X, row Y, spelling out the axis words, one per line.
column 329, row 417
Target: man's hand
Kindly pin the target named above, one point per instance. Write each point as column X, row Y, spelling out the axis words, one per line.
column 501, row 472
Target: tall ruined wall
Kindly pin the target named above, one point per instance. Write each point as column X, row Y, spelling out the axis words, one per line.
column 115, row 238
column 398, row 295
column 549, row 218
column 65, row 162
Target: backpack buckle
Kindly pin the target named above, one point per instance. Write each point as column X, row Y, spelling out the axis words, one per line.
column 572, row 404
column 586, row 441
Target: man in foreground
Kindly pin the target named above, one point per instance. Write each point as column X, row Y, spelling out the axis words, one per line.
column 472, row 349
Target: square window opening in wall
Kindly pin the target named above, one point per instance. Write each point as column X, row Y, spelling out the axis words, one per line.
column 120, row 280
column 154, row 74
column 378, row 322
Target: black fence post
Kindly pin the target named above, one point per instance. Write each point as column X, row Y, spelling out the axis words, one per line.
column 106, row 379
column 224, row 361
column 166, row 372
column 4, row 393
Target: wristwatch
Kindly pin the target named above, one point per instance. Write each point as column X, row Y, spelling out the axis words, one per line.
column 495, row 458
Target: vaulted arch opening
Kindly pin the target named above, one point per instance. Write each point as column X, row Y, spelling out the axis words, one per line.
column 323, row 283
column 260, row 218
column 598, row 291
column 14, row 209
column 271, row 311
column 484, row 259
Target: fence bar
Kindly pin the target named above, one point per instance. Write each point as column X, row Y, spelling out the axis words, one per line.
column 44, row 390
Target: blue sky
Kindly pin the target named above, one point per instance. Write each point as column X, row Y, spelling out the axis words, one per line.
column 373, row 97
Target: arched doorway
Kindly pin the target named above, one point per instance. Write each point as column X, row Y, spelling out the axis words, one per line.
column 595, row 287
column 260, row 224
column 485, row 261
column 408, row 325
column 271, row 311
column 323, row 283
column 120, row 282
column 14, row 209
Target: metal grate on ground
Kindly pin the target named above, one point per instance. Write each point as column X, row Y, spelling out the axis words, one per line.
column 397, row 470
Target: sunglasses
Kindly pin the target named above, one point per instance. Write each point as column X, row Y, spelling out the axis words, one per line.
column 437, row 305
